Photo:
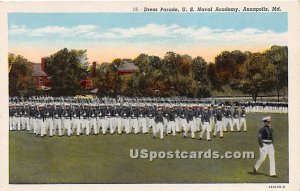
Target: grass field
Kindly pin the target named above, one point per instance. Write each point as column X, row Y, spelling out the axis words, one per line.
column 105, row 158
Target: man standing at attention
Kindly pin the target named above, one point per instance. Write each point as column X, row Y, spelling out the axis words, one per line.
column 243, row 119
column 206, row 124
column 159, row 127
column 265, row 141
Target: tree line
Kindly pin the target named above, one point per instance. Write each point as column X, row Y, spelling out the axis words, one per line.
column 172, row 75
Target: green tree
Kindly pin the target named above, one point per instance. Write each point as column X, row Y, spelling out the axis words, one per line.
column 66, row 68
column 107, row 80
column 143, row 62
column 11, row 58
column 177, row 79
column 147, row 81
column 172, row 63
column 21, row 81
column 227, row 67
column 257, row 76
column 278, row 56
column 200, row 75
column 171, row 76
column 213, row 77
column 116, row 63
column 155, row 62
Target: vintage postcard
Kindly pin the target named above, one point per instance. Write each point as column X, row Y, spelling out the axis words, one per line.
column 149, row 95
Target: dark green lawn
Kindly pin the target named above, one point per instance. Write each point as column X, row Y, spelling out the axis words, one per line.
column 105, row 159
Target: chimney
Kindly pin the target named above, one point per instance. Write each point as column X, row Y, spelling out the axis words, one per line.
column 94, row 69
column 43, row 64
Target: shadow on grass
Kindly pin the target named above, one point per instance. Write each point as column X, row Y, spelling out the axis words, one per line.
column 261, row 174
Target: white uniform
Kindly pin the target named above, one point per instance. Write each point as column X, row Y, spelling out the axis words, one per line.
column 57, row 122
column 66, row 118
column 101, row 121
column 265, row 139
column 219, row 123
column 124, row 122
column 49, row 126
column 34, row 125
column 150, row 119
column 165, row 122
column 110, row 121
column 16, row 121
column 171, row 127
column 236, row 121
column 126, row 125
column 182, row 121
column 67, row 126
column 76, row 124
column 93, row 122
column 24, row 119
column 143, row 123
column 243, row 121
column 176, row 123
column 133, row 122
column 159, row 128
column 86, row 126
column 113, row 123
column 40, row 128
column 212, row 119
column 198, row 123
column 11, row 120
column 118, row 122
column 218, row 128
column 205, row 126
column 190, row 127
column 228, row 120
column 93, row 125
column 121, row 124
column 267, row 149
column 11, row 123
column 85, row 121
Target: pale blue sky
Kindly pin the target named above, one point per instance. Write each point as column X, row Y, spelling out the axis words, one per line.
column 45, row 31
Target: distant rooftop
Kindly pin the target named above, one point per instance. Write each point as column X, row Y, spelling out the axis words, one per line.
column 127, row 66
column 37, row 70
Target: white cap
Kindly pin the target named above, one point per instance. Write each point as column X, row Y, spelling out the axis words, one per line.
column 268, row 118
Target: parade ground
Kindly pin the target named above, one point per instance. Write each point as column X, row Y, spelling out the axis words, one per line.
column 106, row 158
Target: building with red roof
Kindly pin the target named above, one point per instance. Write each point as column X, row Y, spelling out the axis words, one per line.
column 41, row 78
column 127, row 67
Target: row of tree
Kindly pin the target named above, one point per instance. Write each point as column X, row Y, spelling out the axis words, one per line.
column 21, row 81
column 172, row 75
column 251, row 73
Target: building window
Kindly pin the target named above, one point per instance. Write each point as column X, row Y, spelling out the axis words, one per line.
column 89, row 84
column 41, row 81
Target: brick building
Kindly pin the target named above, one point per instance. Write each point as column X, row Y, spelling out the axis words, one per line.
column 43, row 82
column 41, row 78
